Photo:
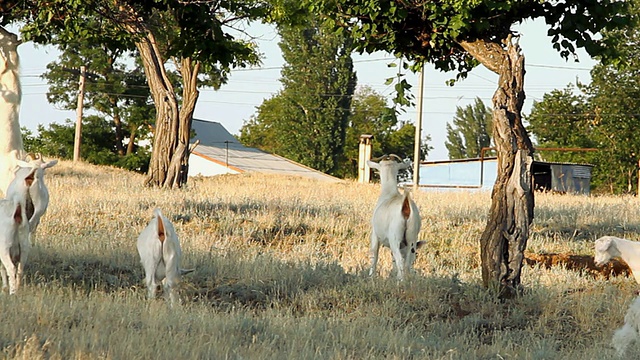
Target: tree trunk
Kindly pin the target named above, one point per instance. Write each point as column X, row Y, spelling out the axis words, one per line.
column 170, row 156
column 117, row 123
column 505, row 236
column 165, row 138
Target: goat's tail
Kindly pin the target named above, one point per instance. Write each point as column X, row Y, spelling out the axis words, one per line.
column 406, row 206
column 160, row 230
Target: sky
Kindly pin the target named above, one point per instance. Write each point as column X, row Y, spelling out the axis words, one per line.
column 236, row 101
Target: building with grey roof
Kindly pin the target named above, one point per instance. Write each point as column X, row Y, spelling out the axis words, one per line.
column 218, row 152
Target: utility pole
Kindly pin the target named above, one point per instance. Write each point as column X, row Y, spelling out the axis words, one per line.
column 416, row 152
column 78, row 137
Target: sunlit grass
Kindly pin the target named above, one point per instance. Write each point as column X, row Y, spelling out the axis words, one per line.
column 281, row 272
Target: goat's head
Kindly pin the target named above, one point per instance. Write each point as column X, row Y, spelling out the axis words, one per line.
column 603, row 248
column 388, row 166
column 37, row 163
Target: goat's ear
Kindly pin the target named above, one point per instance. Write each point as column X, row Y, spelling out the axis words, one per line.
column 49, row 164
column 373, row 164
column 603, row 243
column 404, row 165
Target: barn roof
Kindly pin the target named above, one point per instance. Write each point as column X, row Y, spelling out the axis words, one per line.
column 220, row 147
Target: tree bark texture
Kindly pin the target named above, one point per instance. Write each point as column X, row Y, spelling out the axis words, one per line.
column 504, row 239
column 165, row 136
column 170, row 157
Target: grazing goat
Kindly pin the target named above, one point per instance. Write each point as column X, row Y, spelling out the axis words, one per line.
column 11, row 146
column 396, row 219
column 160, row 254
column 608, row 247
column 630, row 331
column 31, row 175
column 14, row 238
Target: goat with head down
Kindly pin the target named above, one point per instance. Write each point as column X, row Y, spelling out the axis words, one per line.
column 396, row 220
column 160, row 255
column 608, row 247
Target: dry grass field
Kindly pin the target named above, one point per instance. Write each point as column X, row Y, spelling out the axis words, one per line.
column 281, row 273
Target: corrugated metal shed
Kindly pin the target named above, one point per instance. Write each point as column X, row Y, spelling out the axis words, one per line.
column 219, row 152
column 562, row 177
column 481, row 174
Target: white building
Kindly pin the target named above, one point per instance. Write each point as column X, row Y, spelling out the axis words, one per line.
column 219, row 152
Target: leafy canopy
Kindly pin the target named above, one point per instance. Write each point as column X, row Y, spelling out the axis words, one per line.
column 432, row 31
column 193, row 29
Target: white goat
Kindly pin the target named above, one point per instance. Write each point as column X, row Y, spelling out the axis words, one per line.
column 11, row 146
column 396, row 219
column 630, row 331
column 160, row 254
column 14, row 238
column 31, row 174
column 608, row 247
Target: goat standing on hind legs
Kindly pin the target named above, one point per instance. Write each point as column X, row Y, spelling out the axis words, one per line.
column 396, row 219
column 160, row 254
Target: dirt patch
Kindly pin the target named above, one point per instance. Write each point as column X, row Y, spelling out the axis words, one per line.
column 583, row 263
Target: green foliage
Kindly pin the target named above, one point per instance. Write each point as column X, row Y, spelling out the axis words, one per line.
column 307, row 120
column 605, row 117
column 371, row 115
column 113, row 89
column 187, row 28
column 97, row 147
column 471, row 131
column 564, row 119
column 431, row 31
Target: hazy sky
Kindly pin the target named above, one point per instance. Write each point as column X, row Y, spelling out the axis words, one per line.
column 235, row 102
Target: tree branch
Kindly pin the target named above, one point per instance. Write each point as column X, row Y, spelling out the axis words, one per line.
column 490, row 54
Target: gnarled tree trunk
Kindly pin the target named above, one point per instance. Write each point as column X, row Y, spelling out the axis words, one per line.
column 162, row 167
column 505, row 237
column 170, row 157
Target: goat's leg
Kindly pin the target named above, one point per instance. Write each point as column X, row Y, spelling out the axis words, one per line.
column 398, row 260
column 19, row 271
column 170, row 293
column 374, row 249
column 5, row 280
column 623, row 337
column 150, row 282
column 10, row 271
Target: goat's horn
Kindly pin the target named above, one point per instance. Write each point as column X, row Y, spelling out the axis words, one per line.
column 378, row 159
column 394, row 156
column 30, row 156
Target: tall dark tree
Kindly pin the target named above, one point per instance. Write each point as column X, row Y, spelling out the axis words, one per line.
column 613, row 94
column 309, row 117
column 457, row 36
column 470, row 132
column 191, row 33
